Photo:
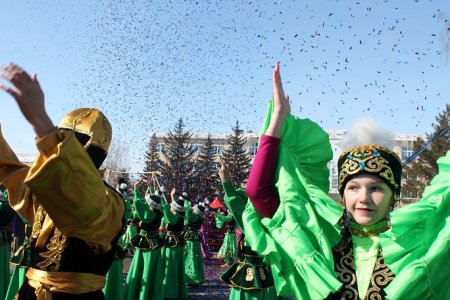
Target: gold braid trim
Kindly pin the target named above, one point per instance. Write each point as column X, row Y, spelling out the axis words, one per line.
column 380, row 279
column 344, row 267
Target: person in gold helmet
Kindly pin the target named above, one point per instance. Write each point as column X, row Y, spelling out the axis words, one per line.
column 75, row 216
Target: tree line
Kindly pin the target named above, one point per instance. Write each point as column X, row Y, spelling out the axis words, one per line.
column 180, row 165
column 186, row 168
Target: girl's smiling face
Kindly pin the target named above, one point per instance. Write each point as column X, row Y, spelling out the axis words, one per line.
column 367, row 199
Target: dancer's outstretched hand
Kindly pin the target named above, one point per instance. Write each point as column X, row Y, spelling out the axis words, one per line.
column 280, row 100
column 281, row 106
column 224, row 172
column 28, row 95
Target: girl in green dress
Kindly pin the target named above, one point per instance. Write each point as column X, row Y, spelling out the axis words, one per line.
column 145, row 276
column 228, row 250
column 194, row 269
column 320, row 250
column 173, row 251
column 114, row 288
column 249, row 278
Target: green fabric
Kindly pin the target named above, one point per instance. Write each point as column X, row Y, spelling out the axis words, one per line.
column 417, row 247
column 174, row 280
column 297, row 242
column 365, row 251
column 221, row 219
column 228, row 251
column 17, row 279
column 142, row 209
column 130, row 233
column 128, row 210
column 145, row 276
column 189, row 215
column 4, row 269
column 267, row 294
column 193, row 262
column 113, row 289
column 235, row 200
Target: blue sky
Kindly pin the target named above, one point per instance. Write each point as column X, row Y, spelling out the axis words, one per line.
column 148, row 63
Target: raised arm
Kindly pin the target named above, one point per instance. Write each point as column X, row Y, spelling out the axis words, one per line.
column 29, row 96
column 260, row 188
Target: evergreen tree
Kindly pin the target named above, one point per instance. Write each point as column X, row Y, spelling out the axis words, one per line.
column 178, row 159
column 418, row 174
column 205, row 176
column 152, row 159
column 236, row 157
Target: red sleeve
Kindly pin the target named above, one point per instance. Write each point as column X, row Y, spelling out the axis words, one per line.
column 260, row 188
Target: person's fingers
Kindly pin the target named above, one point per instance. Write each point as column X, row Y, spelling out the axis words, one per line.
column 34, row 78
column 17, row 76
column 10, row 91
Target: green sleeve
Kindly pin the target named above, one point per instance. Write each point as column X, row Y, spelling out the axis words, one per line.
column 416, row 249
column 142, row 209
column 221, row 220
column 235, row 201
column 297, row 241
column 127, row 212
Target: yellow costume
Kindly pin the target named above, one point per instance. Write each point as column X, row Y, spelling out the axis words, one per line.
column 76, row 218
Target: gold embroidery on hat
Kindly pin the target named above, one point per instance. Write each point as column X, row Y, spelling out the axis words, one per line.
column 367, row 158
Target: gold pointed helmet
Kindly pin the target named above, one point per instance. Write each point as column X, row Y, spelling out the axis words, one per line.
column 92, row 122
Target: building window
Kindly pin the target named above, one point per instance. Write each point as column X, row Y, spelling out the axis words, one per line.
column 218, row 150
column 253, row 149
column 407, row 151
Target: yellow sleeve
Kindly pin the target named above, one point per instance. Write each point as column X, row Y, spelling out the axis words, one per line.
column 66, row 182
column 12, row 176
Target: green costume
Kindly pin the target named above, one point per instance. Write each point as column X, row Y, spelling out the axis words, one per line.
column 114, row 288
column 173, row 253
column 145, row 276
column 249, row 278
column 6, row 215
column 228, row 250
column 193, row 257
column 297, row 241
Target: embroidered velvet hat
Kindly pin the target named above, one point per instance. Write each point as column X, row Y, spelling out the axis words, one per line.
column 372, row 160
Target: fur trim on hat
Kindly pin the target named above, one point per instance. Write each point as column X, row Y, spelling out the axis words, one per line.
column 154, row 201
column 200, row 209
column 178, row 205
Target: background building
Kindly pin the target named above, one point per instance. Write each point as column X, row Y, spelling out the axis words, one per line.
column 403, row 147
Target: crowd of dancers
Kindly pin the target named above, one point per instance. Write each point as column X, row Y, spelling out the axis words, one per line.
column 72, row 229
